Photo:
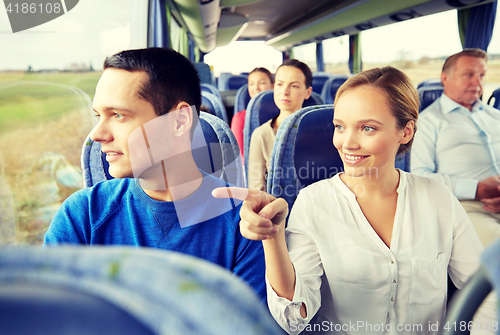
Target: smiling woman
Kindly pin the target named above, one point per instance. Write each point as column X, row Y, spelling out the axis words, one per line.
column 356, row 247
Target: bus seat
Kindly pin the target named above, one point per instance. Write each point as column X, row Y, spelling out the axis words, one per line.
column 466, row 302
column 314, row 99
column 211, row 89
column 229, row 81
column 430, row 82
column 221, row 80
column 318, row 81
column 205, row 73
column 214, row 105
column 495, row 96
column 303, row 152
column 222, row 160
column 261, row 109
column 221, row 157
column 403, row 161
column 428, row 94
column 235, row 82
column 331, row 86
column 123, row 290
column 241, row 100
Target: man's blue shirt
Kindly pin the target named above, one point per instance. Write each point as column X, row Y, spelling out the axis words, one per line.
column 119, row 212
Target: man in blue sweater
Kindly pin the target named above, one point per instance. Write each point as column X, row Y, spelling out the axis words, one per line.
column 147, row 102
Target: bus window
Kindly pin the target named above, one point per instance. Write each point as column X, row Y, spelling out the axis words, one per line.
column 47, row 82
column 336, row 53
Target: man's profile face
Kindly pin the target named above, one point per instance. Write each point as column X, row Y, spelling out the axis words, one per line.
column 120, row 111
column 464, row 82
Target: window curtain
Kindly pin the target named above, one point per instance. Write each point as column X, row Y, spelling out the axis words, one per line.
column 475, row 25
column 355, row 63
column 158, row 26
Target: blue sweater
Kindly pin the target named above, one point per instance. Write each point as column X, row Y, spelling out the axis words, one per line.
column 118, row 212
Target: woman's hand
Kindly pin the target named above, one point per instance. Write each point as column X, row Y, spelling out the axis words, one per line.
column 262, row 215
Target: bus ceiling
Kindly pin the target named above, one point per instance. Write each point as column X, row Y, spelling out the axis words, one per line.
column 285, row 23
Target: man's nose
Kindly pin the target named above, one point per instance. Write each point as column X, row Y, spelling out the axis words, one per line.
column 100, row 133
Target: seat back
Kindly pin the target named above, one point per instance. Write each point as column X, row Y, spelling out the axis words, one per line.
column 123, row 290
column 430, row 82
column 495, row 96
column 331, row 86
column 318, row 81
column 261, row 109
column 205, row 73
column 428, row 94
column 214, row 150
column 229, row 81
column 211, row 89
column 214, row 105
column 303, row 152
column 242, row 99
column 235, row 82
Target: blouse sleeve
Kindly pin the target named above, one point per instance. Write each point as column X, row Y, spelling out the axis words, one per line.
column 308, row 271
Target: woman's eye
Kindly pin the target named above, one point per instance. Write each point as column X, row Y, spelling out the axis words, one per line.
column 368, row 129
column 338, row 127
column 118, row 116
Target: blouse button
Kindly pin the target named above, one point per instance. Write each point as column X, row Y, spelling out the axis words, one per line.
column 392, row 299
column 394, row 281
column 392, row 262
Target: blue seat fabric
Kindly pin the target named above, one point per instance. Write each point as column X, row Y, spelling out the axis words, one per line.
column 242, row 99
column 495, row 96
column 428, row 94
column 214, row 105
column 262, row 109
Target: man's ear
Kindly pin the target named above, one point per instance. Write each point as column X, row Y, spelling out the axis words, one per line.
column 444, row 78
column 183, row 119
column 408, row 132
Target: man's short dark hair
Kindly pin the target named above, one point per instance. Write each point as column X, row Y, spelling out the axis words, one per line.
column 471, row 52
column 172, row 77
column 302, row 67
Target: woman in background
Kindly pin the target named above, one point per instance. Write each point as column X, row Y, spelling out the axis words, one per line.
column 260, row 79
column 293, row 85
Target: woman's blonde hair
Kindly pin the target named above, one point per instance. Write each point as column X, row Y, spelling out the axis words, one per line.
column 400, row 92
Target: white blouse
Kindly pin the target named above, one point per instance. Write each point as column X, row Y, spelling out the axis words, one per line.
column 352, row 283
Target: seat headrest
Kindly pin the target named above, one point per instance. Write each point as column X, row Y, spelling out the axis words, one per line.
column 428, row 94
column 314, row 149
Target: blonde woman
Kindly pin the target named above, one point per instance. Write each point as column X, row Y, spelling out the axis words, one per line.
column 369, row 250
